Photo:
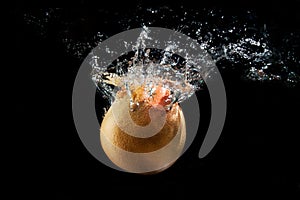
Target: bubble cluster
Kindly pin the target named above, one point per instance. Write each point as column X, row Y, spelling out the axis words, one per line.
column 238, row 41
column 153, row 71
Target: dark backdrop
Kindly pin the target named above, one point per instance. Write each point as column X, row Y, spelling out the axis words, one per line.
column 257, row 153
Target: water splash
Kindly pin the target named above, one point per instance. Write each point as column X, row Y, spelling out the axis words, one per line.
column 159, row 75
column 237, row 41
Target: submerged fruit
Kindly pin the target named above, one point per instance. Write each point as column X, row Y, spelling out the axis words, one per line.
column 140, row 135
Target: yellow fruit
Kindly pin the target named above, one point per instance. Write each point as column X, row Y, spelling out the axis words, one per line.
column 147, row 139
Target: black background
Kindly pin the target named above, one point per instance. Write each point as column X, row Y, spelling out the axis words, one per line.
column 257, row 153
